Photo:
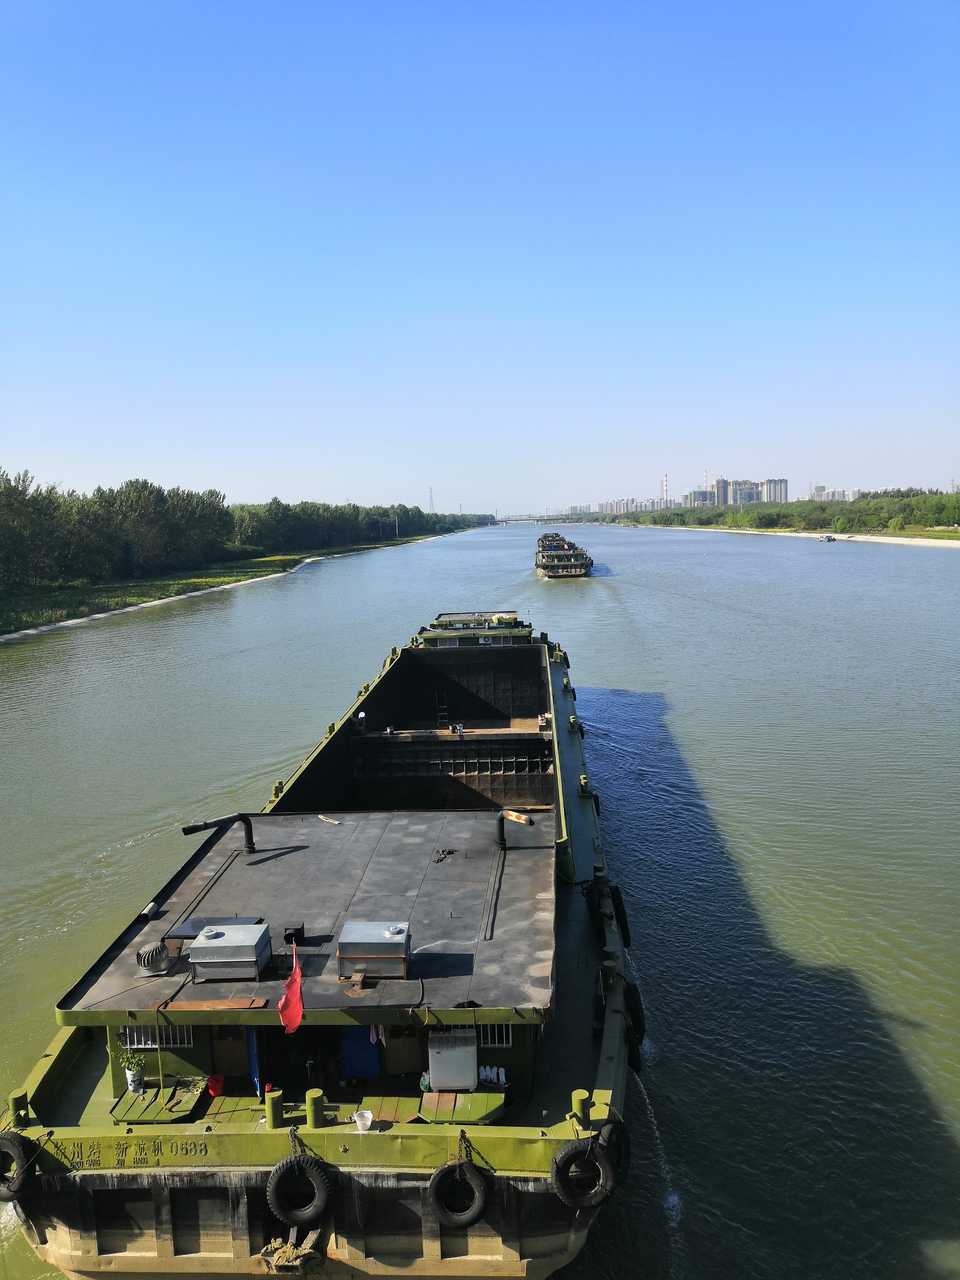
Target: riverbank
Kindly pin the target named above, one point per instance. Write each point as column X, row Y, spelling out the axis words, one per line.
column 910, row 540
column 31, row 613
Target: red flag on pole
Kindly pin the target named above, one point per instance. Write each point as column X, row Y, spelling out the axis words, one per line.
column 290, row 1004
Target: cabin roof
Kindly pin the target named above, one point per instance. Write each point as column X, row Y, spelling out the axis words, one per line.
column 506, row 616
column 481, row 932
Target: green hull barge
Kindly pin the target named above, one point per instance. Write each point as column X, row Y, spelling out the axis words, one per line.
column 381, row 1027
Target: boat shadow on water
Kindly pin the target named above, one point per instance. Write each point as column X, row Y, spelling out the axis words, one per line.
column 796, row 1140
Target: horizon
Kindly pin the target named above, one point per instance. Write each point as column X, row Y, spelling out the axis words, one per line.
column 499, row 254
column 584, row 508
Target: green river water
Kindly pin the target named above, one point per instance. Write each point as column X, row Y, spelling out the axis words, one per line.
column 774, row 727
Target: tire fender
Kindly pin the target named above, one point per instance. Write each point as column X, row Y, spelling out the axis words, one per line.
column 615, row 1139
column 620, row 911
column 470, row 1178
column 303, row 1169
column 633, row 1002
column 16, row 1166
column 583, row 1174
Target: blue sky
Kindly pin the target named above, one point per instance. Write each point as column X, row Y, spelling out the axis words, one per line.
column 530, row 253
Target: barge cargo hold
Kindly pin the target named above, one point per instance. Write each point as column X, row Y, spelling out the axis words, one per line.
column 558, row 557
column 381, row 1027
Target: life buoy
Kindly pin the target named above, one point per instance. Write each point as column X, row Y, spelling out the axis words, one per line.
column 583, row 1174
column 16, row 1166
column 298, row 1190
column 620, row 911
column 458, row 1193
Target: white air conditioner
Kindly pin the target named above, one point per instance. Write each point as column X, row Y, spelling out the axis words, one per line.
column 453, row 1060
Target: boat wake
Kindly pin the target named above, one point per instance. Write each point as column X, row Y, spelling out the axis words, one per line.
column 8, row 1229
column 671, row 1200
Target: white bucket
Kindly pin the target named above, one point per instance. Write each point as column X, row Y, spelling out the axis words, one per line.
column 364, row 1120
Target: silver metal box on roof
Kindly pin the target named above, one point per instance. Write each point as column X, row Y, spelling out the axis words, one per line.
column 231, row 951
column 380, row 948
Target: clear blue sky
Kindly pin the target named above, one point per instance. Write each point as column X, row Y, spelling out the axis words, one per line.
column 530, row 253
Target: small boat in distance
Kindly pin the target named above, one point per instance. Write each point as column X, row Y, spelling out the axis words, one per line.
column 826, row 537
column 557, row 557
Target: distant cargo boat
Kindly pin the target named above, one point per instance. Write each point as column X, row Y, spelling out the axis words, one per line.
column 380, row 1028
column 557, row 557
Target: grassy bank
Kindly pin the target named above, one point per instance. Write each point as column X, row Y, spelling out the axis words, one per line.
column 948, row 535
column 64, row 602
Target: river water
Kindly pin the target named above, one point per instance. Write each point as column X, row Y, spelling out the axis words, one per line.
column 773, row 725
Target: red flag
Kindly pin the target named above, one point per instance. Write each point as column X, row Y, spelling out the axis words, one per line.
column 290, row 1004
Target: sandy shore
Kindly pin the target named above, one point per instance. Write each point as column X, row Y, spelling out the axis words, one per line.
column 799, row 533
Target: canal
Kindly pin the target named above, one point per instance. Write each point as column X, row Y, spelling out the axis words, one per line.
column 774, row 727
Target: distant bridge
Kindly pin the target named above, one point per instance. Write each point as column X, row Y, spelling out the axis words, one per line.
column 540, row 519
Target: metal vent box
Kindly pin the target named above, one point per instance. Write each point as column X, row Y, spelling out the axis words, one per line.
column 231, row 951
column 381, row 948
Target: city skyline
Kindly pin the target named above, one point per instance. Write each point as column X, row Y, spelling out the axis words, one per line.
column 722, row 491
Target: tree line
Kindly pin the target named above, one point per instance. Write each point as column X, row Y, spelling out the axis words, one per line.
column 886, row 510
column 49, row 535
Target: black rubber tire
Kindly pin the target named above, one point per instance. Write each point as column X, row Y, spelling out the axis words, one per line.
column 633, row 1001
column 15, row 1166
column 615, row 1139
column 307, row 1169
column 620, row 911
column 468, row 1173
column 585, row 1151
column 634, row 1057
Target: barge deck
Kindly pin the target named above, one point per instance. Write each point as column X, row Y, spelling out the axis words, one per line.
column 452, row 799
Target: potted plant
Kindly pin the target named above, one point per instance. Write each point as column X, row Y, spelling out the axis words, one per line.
column 133, row 1064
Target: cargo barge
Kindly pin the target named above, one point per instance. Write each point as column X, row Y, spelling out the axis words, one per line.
column 557, row 557
column 381, row 1027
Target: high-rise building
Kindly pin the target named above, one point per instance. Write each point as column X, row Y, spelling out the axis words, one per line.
column 743, row 492
column 774, row 491
column 721, row 492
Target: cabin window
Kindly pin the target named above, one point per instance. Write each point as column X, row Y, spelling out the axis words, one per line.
column 491, row 1035
column 166, row 1036
column 495, row 1035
